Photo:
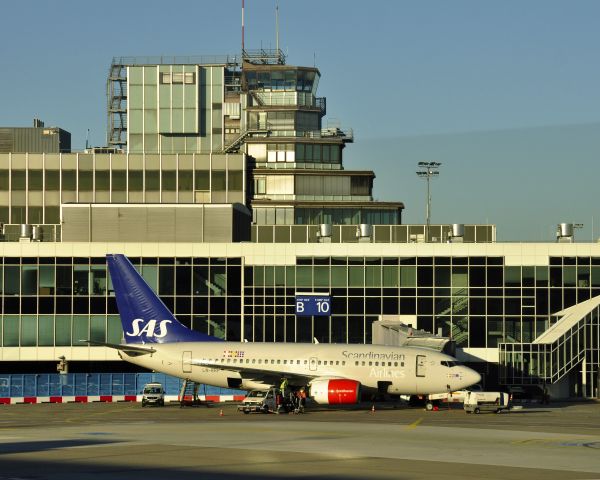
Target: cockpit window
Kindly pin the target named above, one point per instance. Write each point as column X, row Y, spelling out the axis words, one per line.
column 447, row 363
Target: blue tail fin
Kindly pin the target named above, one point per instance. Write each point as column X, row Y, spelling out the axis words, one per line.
column 144, row 316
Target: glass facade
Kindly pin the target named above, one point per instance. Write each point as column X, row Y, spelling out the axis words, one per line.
column 478, row 301
column 64, row 300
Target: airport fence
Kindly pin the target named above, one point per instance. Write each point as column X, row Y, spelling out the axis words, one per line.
column 92, row 385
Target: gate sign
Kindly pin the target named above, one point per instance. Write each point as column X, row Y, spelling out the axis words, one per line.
column 308, row 305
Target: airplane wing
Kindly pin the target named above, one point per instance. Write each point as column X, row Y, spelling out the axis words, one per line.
column 253, row 373
column 131, row 349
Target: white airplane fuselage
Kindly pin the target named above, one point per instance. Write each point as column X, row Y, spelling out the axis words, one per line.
column 403, row 370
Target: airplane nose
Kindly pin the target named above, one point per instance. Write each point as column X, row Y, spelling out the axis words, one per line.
column 472, row 377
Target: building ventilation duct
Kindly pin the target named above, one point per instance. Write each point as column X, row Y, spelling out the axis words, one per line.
column 324, row 232
column 364, row 232
column 26, row 231
column 564, row 232
column 37, row 233
column 456, row 233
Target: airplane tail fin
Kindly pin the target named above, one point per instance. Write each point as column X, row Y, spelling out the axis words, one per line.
column 144, row 316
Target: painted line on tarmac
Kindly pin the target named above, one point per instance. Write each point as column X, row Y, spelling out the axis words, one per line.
column 415, row 424
column 558, row 441
column 84, row 418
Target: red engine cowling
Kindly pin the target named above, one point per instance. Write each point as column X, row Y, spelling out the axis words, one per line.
column 335, row 391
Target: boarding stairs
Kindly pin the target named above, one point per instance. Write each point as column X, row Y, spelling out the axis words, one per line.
column 188, row 395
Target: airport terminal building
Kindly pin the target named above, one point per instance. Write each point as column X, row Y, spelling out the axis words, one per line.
column 224, row 184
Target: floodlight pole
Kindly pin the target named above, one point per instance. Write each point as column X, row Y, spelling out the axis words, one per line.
column 428, row 170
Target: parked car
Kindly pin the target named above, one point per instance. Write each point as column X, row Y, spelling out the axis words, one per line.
column 153, row 394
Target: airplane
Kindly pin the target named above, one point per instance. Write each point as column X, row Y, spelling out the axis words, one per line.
column 333, row 373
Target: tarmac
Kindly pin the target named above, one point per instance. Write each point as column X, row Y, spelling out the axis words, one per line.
column 126, row 441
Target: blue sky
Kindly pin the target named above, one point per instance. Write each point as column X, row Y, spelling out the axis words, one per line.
column 505, row 94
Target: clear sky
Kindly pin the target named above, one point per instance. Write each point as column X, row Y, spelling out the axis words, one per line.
column 505, row 94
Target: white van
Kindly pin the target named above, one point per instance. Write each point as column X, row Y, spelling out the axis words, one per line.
column 476, row 402
column 153, row 394
column 263, row 401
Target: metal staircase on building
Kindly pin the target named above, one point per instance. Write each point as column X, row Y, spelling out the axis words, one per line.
column 234, row 146
column 571, row 342
column 116, row 93
column 458, row 308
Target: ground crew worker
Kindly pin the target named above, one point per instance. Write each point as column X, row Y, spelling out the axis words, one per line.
column 283, row 386
column 301, row 399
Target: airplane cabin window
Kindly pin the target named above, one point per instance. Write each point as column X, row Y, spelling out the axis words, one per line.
column 337, row 362
column 343, row 362
column 363, row 363
column 356, row 363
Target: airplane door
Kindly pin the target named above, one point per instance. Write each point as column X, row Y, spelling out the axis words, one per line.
column 186, row 362
column 312, row 364
column 421, row 368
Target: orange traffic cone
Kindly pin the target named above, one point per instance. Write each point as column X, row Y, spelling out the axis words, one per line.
column 221, row 413
column 373, row 409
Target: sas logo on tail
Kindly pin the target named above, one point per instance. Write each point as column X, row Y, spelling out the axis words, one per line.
column 149, row 329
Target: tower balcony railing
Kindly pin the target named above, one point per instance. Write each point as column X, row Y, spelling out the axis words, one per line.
column 330, row 133
column 179, row 60
column 291, row 99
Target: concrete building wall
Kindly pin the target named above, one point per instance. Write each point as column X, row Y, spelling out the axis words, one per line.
column 34, row 185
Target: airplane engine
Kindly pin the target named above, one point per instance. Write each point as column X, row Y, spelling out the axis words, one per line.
column 335, row 391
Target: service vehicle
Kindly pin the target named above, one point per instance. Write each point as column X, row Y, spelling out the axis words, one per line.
column 153, row 394
column 477, row 402
column 435, row 399
column 260, row 401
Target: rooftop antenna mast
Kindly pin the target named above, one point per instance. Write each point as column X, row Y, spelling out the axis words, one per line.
column 242, row 28
column 277, row 27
